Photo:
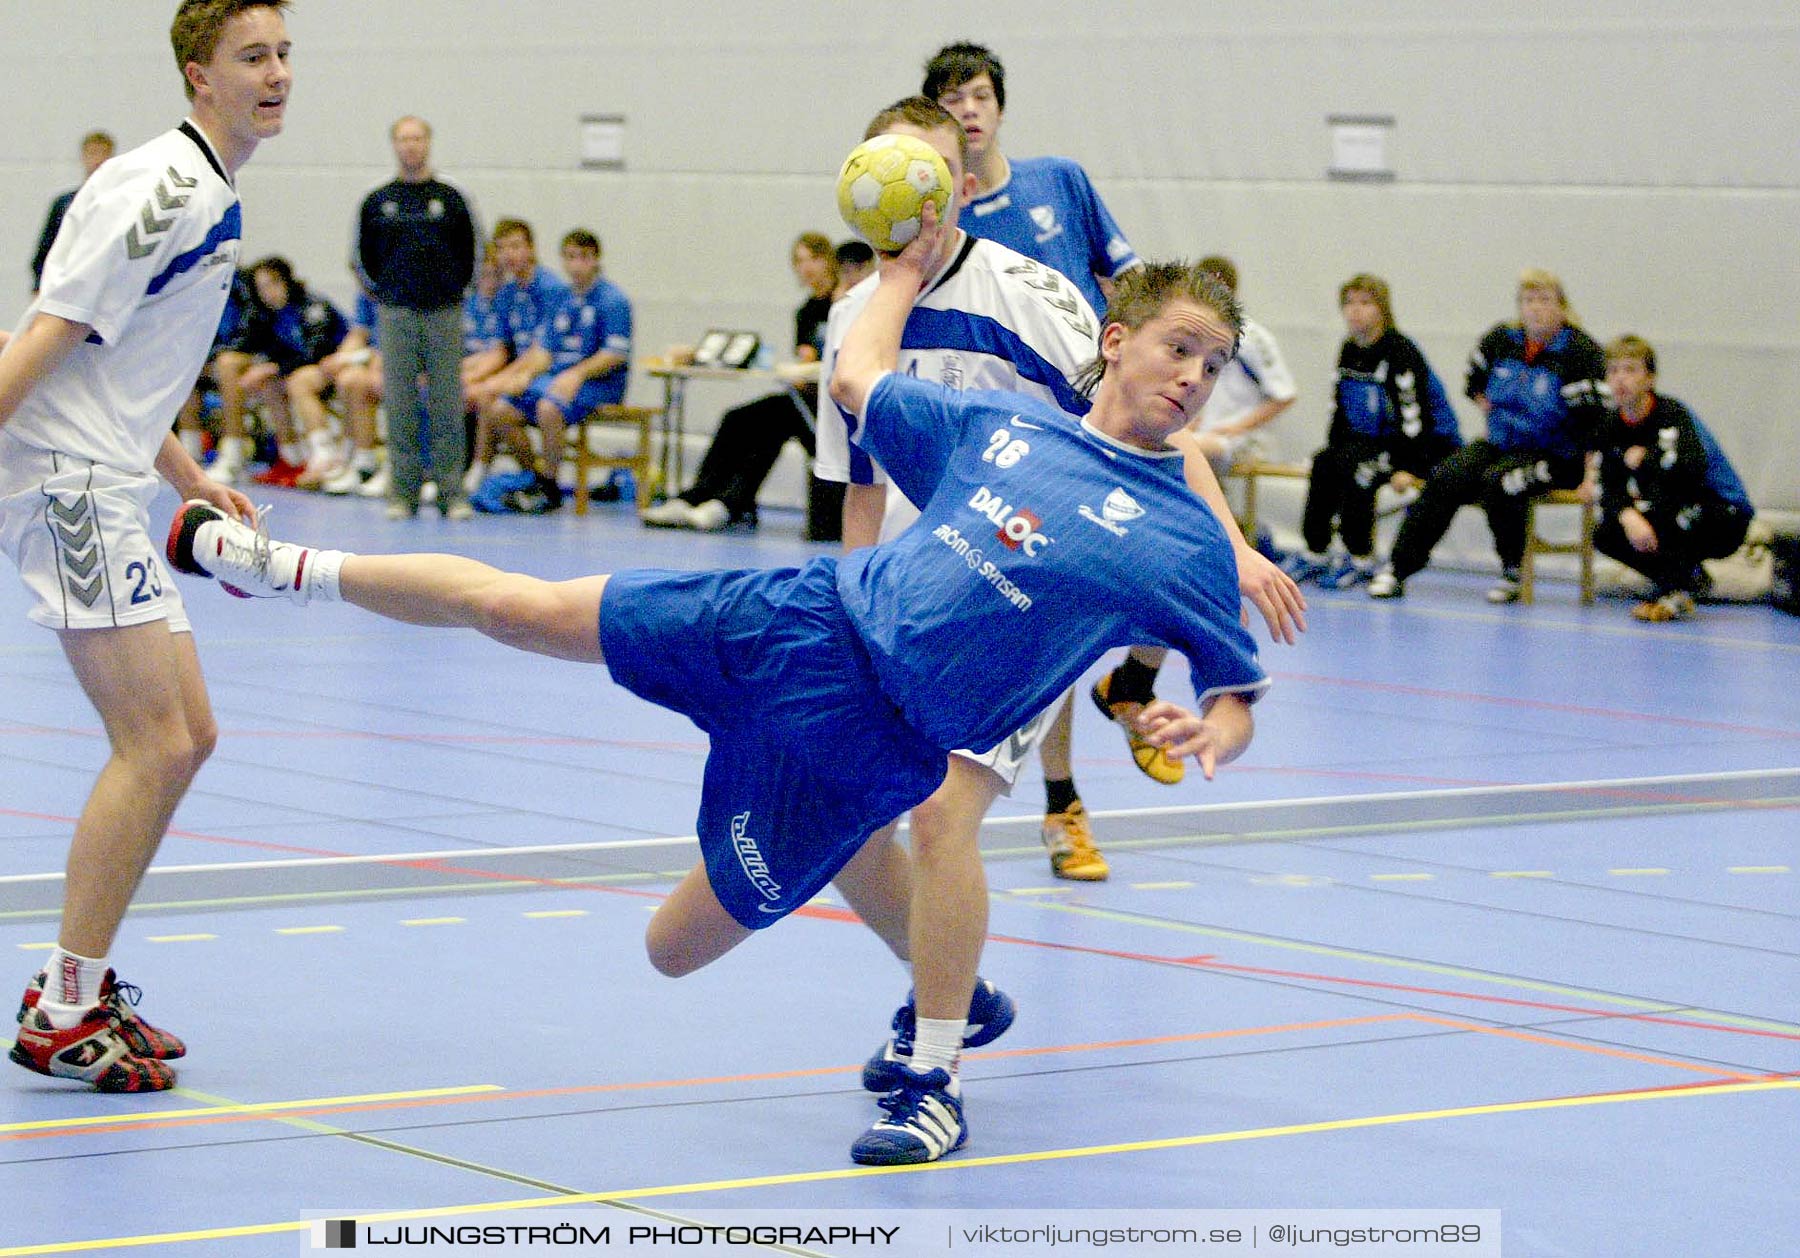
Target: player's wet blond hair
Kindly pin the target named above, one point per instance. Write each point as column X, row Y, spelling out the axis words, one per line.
column 1144, row 292
column 198, row 25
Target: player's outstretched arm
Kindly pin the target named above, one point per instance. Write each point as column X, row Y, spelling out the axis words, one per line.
column 175, row 465
column 1274, row 593
column 872, row 344
column 1217, row 738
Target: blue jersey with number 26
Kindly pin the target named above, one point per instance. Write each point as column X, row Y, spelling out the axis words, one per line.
column 1041, row 544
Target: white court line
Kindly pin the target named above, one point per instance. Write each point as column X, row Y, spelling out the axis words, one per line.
column 1170, row 810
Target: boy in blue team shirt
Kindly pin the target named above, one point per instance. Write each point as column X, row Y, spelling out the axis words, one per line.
column 527, row 298
column 1044, row 541
column 1044, row 207
column 579, row 359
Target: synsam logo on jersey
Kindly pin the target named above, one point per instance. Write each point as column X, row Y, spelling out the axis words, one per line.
column 1018, row 525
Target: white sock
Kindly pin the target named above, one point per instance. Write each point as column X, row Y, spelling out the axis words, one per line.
column 1364, row 563
column 323, row 570
column 191, row 442
column 292, row 453
column 71, row 986
column 365, row 461
column 231, row 450
column 938, row 1042
column 320, row 445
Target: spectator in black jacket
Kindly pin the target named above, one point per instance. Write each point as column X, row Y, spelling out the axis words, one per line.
column 415, row 243
column 1669, row 498
column 1391, row 423
column 750, row 437
column 96, row 148
column 287, row 328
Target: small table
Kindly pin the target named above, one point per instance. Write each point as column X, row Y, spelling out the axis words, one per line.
column 675, row 378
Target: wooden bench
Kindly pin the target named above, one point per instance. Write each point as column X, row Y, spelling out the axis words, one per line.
column 1536, row 545
column 1252, row 470
column 644, row 418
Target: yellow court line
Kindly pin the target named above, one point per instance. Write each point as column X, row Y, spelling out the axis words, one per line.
column 960, row 1164
column 200, row 938
column 1734, row 869
column 258, row 1107
column 308, row 930
column 37, row 947
column 433, row 921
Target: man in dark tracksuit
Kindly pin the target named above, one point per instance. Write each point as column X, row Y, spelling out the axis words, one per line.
column 415, row 245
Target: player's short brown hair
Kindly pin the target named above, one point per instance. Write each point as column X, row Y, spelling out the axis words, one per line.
column 925, row 114
column 198, row 25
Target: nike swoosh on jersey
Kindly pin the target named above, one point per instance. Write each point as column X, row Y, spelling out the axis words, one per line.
column 1016, row 422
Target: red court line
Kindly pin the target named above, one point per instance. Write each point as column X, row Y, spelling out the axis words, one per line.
column 1208, row 962
column 1601, row 1050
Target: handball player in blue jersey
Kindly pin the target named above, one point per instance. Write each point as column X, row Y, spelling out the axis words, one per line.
column 1044, row 541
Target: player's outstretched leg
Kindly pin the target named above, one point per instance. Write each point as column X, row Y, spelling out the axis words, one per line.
column 205, row 542
column 555, row 618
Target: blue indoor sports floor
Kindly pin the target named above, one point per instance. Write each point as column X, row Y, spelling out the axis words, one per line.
column 1501, row 911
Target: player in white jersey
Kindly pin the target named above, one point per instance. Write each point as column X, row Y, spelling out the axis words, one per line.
column 90, row 384
column 987, row 318
column 1251, row 392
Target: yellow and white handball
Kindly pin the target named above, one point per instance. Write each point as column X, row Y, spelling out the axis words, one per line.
column 884, row 185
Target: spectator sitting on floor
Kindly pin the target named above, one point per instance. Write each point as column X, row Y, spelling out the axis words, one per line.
column 1668, row 496
column 1538, row 381
column 750, row 437
column 1391, row 422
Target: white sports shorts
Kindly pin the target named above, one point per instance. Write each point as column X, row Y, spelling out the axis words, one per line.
column 79, row 534
column 1007, row 758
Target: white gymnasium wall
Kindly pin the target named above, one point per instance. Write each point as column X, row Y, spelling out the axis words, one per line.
column 1646, row 151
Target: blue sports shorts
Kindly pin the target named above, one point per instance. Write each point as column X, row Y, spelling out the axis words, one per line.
column 808, row 756
column 592, row 393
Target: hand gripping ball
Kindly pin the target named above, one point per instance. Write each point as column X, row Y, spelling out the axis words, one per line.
column 884, row 185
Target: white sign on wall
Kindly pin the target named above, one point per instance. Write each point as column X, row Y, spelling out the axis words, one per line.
column 1359, row 147
column 603, row 141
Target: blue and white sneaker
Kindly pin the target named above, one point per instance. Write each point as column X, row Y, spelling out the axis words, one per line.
column 991, row 1011
column 1346, row 573
column 1303, row 567
column 924, row 1121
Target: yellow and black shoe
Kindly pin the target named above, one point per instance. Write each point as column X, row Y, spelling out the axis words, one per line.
column 1148, row 757
column 1071, row 846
